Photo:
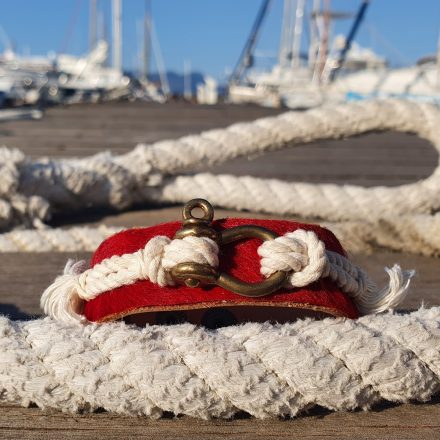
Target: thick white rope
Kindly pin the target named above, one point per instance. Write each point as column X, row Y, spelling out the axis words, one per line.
column 300, row 253
column 75, row 239
column 417, row 233
column 263, row 369
column 407, row 233
column 148, row 172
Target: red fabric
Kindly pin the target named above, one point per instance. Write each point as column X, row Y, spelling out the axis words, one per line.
column 239, row 259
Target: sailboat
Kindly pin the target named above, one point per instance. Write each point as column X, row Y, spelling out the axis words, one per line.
column 300, row 80
column 420, row 82
column 67, row 79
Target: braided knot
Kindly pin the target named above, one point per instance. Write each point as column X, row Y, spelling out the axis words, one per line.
column 123, row 269
column 150, row 261
column 300, row 252
column 153, row 262
column 192, row 249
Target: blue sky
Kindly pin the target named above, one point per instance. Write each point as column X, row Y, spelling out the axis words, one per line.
column 211, row 33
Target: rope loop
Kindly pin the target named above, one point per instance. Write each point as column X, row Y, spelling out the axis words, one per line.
column 300, row 252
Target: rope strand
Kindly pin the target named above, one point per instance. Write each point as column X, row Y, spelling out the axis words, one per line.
column 150, row 173
column 266, row 370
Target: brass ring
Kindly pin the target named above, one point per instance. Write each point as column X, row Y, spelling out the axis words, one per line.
column 204, row 205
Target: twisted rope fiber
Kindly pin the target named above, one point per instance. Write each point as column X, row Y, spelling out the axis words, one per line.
column 78, row 238
column 150, row 172
column 406, row 233
column 263, row 369
column 300, row 253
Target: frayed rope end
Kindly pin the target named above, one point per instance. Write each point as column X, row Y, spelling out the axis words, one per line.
column 388, row 298
column 61, row 300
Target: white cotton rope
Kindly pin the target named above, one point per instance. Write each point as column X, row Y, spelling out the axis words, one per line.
column 74, row 239
column 408, row 233
column 266, row 370
column 149, row 173
column 300, row 253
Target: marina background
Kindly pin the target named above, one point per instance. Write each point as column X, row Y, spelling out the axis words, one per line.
column 211, row 34
column 296, row 54
column 207, row 37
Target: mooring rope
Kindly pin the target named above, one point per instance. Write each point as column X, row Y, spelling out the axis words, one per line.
column 416, row 234
column 263, row 369
column 32, row 189
column 75, row 239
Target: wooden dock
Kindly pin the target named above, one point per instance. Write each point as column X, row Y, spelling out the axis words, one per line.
column 375, row 159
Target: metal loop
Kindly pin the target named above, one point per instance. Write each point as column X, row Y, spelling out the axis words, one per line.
column 194, row 274
column 204, row 205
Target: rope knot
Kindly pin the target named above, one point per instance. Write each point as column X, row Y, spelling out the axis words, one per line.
column 149, row 261
column 300, row 252
column 192, row 249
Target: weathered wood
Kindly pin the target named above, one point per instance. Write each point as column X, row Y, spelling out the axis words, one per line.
column 403, row 422
column 375, row 159
column 85, row 129
column 388, row 159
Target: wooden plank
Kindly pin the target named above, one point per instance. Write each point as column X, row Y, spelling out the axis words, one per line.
column 119, row 125
column 385, row 422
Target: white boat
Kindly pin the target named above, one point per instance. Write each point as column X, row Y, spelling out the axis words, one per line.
column 330, row 73
column 418, row 83
column 20, row 86
column 68, row 79
column 89, row 74
column 301, row 80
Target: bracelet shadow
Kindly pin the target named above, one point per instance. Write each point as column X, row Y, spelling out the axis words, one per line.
column 14, row 313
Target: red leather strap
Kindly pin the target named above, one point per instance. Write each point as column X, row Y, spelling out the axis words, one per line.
column 240, row 259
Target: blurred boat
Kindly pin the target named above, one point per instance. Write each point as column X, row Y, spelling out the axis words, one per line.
column 299, row 80
column 22, row 81
column 207, row 92
column 68, row 79
column 336, row 72
column 416, row 83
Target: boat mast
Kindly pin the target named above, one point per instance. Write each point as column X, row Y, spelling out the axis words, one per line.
column 246, row 58
column 314, row 35
column 297, row 33
column 323, row 45
column 93, row 18
column 4, row 39
column 158, row 58
column 146, row 52
column 117, row 33
column 354, row 28
column 286, row 34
